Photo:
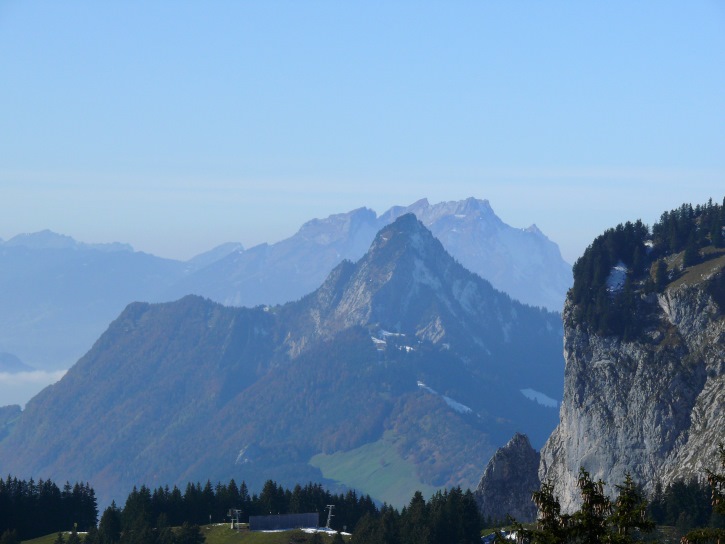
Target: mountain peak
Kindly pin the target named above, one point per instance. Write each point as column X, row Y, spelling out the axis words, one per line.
column 47, row 239
column 506, row 484
column 405, row 232
column 336, row 226
column 44, row 239
column 533, row 229
column 472, row 205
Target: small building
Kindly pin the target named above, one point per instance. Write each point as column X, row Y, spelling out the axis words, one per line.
column 283, row 521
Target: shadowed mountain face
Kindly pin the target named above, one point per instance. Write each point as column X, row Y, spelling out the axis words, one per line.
column 403, row 363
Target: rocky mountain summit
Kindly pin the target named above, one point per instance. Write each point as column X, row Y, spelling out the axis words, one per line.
column 510, row 478
column 644, row 389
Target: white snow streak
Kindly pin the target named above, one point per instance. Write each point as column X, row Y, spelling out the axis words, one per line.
column 540, row 398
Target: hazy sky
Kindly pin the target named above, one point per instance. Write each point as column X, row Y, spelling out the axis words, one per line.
column 176, row 126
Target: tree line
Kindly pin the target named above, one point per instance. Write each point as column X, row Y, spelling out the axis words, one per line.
column 33, row 509
column 630, row 516
column 684, row 505
column 450, row 516
column 203, row 504
column 168, row 516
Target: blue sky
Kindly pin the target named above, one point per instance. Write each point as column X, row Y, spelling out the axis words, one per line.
column 176, row 126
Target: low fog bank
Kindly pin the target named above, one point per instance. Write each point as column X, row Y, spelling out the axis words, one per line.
column 20, row 387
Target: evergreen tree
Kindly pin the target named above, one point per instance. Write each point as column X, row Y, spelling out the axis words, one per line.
column 92, row 536
column 598, row 519
column 137, row 511
column 691, row 255
column 73, row 538
column 109, row 529
column 389, row 521
column 661, row 276
column 414, row 527
column 164, row 534
column 10, row 536
column 175, row 509
column 366, row 531
column 656, row 507
column 552, row 526
column 272, row 499
column 138, row 533
column 716, row 237
column 189, row 534
column 716, row 480
column 629, row 513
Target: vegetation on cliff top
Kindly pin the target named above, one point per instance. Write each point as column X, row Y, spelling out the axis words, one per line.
column 632, row 259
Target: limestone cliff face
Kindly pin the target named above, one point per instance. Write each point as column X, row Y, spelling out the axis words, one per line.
column 653, row 406
column 509, row 479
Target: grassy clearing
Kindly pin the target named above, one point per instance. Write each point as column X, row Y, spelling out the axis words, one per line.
column 222, row 534
column 714, row 261
column 375, row 469
column 218, row 534
column 47, row 539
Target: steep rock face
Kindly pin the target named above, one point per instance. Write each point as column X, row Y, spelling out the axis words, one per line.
column 509, row 479
column 653, row 406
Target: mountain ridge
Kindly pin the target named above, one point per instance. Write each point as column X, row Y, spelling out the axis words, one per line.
column 271, row 387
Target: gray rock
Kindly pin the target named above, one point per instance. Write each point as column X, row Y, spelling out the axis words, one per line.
column 653, row 407
column 510, row 478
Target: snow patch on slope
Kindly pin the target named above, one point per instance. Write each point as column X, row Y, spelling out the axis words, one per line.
column 616, row 277
column 540, row 398
column 455, row 405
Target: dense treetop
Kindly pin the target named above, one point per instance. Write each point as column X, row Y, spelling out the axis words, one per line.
column 647, row 260
column 34, row 509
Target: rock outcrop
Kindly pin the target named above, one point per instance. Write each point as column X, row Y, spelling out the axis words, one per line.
column 653, row 406
column 509, row 479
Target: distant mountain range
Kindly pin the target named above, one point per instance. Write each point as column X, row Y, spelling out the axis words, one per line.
column 402, row 371
column 60, row 294
column 11, row 364
column 521, row 262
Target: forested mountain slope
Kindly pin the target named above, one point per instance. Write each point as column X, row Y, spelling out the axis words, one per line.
column 403, row 361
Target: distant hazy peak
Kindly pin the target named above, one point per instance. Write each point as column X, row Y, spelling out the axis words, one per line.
column 44, row 239
column 318, row 230
column 12, row 364
column 408, row 228
column 533, row 229
column 471, row 208
column 47, row 239
column 396, row 211
column 216, row 253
